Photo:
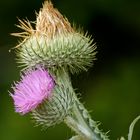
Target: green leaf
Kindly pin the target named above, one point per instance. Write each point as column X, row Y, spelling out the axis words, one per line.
column 131, row 128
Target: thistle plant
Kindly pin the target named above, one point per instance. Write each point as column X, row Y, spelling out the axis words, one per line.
column 48, row 53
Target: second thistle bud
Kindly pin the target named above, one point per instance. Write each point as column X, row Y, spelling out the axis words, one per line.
column 54, row 43
column 59, row 106
column 49, row 99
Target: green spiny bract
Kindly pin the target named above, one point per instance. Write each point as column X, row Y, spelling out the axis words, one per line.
column 54, row 43
column 74, row 51
column 54, row 110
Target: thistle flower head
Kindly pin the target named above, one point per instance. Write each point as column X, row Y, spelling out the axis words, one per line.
column 54, row 111
column 35, row 86
column 54, row 43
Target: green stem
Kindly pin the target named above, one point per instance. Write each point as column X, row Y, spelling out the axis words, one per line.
column 78, row 118
column 81, row 122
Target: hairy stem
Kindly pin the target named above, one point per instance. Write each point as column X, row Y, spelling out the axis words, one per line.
column 79, row 119
column 81, row 122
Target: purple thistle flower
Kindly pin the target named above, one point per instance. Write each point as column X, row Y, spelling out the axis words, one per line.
column 34, row 87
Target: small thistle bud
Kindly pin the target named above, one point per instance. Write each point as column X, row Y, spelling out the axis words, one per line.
column 35, row 87
column 59, row 106
column 54, row 43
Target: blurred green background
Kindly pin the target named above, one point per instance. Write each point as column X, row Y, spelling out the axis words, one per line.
column 110, row 89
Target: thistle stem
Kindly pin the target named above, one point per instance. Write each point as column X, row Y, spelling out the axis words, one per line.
column 81, row 122
column 78, row 118
column 78, row 124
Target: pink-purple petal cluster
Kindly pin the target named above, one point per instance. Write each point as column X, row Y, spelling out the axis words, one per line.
column 34, row 87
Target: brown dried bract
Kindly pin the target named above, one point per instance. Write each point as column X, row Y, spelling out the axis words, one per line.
column 49, row 23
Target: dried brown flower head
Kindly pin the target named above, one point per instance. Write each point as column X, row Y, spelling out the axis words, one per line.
column 49, row 23
column 53, row 42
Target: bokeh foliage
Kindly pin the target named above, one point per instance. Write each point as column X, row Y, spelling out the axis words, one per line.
column 110, row 89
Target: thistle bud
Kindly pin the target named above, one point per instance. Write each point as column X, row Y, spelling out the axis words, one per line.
column 59, row 106
column 49, row 99
column 54, row 43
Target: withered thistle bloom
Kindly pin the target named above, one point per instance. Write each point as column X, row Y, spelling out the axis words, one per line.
column 35, row 87
column 54, row 43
